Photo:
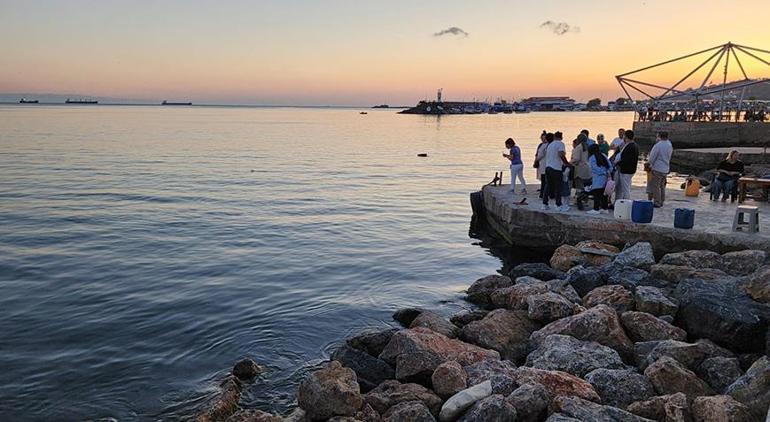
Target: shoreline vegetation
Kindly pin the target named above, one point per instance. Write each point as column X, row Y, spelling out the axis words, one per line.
column 611, row 336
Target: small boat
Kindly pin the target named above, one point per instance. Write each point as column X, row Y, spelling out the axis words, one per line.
column 363, row 112
column 69, row 101
column 175, row 104
column 26, row 101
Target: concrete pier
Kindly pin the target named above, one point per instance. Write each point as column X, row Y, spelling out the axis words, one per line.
column 705, row 134
column 527, row 225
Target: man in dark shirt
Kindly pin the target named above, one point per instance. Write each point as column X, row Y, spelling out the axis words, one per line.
column 626, row 161
column 728, row 172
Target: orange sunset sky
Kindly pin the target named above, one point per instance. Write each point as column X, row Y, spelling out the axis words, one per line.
column 358, row 52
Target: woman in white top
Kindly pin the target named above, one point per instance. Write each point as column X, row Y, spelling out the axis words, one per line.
column 540, row 162
column 579, row 159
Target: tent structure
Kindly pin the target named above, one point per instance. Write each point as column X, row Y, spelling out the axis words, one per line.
column 715, row 56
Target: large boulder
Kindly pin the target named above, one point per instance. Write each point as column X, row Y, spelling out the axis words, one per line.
column 253, row 415
column 641, row 326
column 668, row 408
column 722, row 312
column 758, row 286
column 417, row 352
column 639, row 255
column 457, row 404
column 392, row 392
column 600, row 324
column 225, row 404
column 753, row 388
column 694, row 259
column 515, row 297
column 246, row 370
column 461, row 319
column 449, row 379
column 502, row 330
column 531, row 402
column 330, row 391
column 564, row 288
column 597, row 253
column 615, row 296
column 677, row 273
column 628, row 277
column 620, row 387
column 566, row 257
column 548, row 306
column 500, row 373
column 405, row 316
column 568, row 354
column 413, row 411
column 434, row 322
column 583, row 280
column 372, row 342
column 557, row 383
column 653, row 301
column 480, row 290
column 743, row 262
column 720, row 409
column 490, row 409
column 669, row 376
column 370, row 371
column 538, row 270
column 719, row 372
column 585, row 410
column 688, row 354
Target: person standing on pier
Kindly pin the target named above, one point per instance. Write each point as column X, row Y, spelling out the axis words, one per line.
column 617, row 143
column 540, row 163
column 626, row 161
column 659, row 162
column 517, row 166
column 555, row 160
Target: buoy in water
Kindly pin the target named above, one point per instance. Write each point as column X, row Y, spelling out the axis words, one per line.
column 422, row 155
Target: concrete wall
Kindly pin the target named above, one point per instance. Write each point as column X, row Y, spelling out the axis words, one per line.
column 705, row 134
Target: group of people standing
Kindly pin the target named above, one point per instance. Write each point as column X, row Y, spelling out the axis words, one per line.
column 594, row 168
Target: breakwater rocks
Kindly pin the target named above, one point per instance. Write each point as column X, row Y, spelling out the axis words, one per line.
column 600, row 334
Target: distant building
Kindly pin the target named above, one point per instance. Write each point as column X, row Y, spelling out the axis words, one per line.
column 549, row 103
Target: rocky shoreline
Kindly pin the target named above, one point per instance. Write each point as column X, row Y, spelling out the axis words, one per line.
column 600, row 334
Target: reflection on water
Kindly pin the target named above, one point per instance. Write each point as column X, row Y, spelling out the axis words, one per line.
column 146, row 249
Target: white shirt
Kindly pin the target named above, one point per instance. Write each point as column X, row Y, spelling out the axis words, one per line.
column 552, row 157
column 616, row 143
column 660, row 156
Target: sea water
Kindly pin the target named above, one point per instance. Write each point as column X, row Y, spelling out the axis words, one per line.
column 145, row 249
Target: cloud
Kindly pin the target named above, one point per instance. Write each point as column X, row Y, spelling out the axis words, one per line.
column 560, row 28
column 451, row 31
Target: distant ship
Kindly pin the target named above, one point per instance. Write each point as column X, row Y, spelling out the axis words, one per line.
column 173, row 103
column 70, row 101
column 26, row 101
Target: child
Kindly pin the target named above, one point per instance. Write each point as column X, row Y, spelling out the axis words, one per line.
column 517, row 166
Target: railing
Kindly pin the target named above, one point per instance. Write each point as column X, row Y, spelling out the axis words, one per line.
column 703, row 116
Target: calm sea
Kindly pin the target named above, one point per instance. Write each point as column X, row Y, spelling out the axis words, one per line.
column 144, row 250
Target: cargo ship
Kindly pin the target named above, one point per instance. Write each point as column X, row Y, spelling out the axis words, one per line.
column 26, row 101
column 79, row 101
column 171, row 103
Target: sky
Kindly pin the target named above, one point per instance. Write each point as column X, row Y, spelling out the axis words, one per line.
column 340, row 52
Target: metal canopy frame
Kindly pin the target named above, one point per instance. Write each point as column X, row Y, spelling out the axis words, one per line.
column 716, row 55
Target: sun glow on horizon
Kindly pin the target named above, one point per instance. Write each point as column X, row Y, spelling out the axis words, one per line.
column 354, row 53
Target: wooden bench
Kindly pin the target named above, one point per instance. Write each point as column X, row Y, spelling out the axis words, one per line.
column 745, row 182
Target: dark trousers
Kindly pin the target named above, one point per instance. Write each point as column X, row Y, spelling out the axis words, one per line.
column 543, row 188
column 554, row 182
column 600, row 199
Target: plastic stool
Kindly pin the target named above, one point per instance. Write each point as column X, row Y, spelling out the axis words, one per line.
column 739, row 224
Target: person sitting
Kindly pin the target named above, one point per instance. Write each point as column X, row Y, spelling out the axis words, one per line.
column 727, row 175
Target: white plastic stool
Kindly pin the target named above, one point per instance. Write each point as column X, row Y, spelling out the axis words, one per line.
column 739, row 224
column 623, row 209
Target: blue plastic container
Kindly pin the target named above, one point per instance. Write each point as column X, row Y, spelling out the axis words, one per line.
column 684, row 218
column 641, row 211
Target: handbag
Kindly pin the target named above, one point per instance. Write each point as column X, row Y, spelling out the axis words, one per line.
column 609, row 188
